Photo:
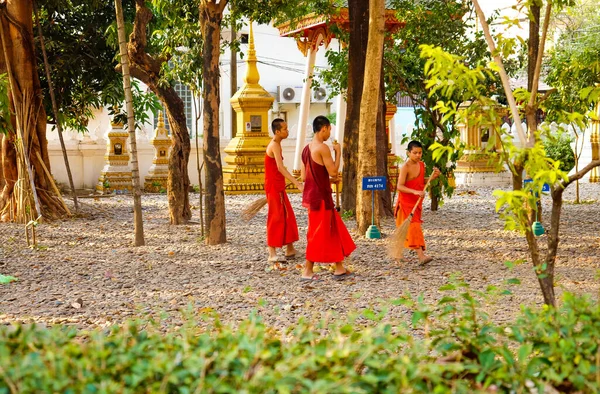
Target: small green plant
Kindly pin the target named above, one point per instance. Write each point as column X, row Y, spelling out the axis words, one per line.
column 347, row 215
column 162, row 191
column 559, row 149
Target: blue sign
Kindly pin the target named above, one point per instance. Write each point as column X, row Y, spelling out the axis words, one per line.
column 545, row 188
column 374, row 183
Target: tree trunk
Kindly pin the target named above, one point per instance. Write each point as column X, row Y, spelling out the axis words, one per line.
column 211, row 15
column 533, row 43
column 147, row 69
column 357, row 52
column 435, row 203
column 18, row 60
column 384, row 196
column 544, row 269
column 367, row 135
column 135, row 171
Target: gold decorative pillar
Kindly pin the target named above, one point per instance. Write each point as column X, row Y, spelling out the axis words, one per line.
column 116, row 174
column 390, row 111
column 595, row 140
column 156, row 180
column 475, row 167
column 474, row 158
column 245, row 161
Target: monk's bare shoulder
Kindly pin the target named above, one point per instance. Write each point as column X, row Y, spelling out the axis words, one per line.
column 272, row 148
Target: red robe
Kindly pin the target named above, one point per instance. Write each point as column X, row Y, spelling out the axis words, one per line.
column 282, row 228
column 405, row 204
column 328, row 240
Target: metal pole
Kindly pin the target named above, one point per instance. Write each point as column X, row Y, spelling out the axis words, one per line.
column 372, row 207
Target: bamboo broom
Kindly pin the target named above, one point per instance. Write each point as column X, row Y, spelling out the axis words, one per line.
column 254, row 207
column 395, row 247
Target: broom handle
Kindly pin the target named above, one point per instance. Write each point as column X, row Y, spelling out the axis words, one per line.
column 420, row 198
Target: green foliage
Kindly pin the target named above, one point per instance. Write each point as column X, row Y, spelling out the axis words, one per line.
column 450, row 347
column 332, row 117
column 82, row 64
column 449, row 76
column 448, row 25
column 574, row 66
column 514, row 206
column 176, row 36
column 5, row 124
column 144, row 104
column 336, row 75
column 558, row 148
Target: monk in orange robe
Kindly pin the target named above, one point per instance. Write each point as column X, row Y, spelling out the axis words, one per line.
column 328, row 240
column 411, row 185
column 282, row 228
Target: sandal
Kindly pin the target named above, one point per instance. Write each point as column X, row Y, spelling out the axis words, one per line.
column 273, row 259
column 343, row 276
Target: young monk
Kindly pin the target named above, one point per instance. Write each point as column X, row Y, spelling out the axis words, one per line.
column 281, row 221
column 411, row 185
column 328, row 240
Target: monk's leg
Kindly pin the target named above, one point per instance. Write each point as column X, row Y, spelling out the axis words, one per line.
column 423, row 258
column 308, row 270
column 340, row 269
column 272, row 253
column 290, row 250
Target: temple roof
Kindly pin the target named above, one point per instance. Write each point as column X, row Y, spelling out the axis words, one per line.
column 313, row 21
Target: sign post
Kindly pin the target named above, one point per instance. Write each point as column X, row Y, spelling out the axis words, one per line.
column 373, row 183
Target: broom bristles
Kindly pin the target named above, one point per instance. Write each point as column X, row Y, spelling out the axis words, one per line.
column 253, row 208
column 396, row 243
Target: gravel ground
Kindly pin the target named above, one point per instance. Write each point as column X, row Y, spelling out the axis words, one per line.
column 86, row 273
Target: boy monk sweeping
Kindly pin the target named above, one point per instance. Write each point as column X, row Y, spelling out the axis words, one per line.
column 328, row 240
column 411, row 185
column 281, row 221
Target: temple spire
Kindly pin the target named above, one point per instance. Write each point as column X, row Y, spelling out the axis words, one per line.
column 252, row 75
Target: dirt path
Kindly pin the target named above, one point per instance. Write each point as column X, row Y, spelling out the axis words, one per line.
column 89, row 262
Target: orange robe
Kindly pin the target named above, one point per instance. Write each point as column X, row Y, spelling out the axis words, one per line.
column 282, row 228
column 404, row 206
column 328, row 240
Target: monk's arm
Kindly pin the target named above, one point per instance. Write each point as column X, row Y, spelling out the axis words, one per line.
column 281, row 167
column 332, row 166
column 436, row 173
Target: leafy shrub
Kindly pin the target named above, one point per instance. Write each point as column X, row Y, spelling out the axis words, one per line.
column 450, row 347
column 559, row 149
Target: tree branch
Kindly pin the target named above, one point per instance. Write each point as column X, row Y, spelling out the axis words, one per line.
column 222, row 4
column 580, row 174
column 538, row 62
column 503, row 76
column 139, row 40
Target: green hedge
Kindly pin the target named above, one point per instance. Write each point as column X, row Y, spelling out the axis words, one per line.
column 451, row 347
